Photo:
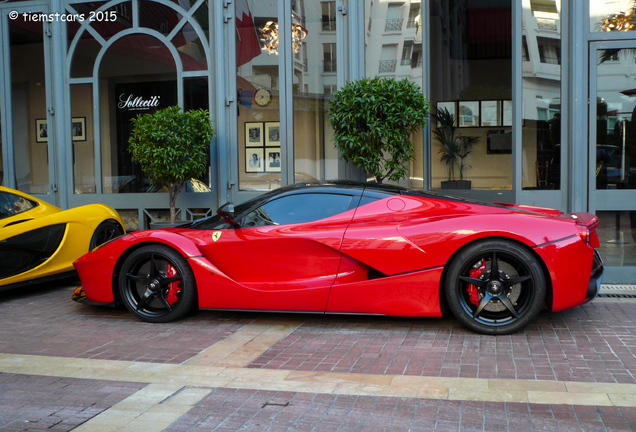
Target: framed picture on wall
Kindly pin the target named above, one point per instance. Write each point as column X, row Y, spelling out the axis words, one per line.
column 78, row 128
column 272, row 134
column 468, row 113
column 254, row 134
column 41, row 130
column 272, row 159
column 448, row 106
column 490, row 114
column 254, row 162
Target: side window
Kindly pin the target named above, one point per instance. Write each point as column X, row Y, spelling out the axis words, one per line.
column 11, row 204
column 366, row 200
column 297, row 209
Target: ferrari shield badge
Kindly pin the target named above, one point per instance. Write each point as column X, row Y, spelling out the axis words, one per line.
column 216, row 235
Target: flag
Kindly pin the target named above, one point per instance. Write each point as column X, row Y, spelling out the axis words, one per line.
column 247, row 44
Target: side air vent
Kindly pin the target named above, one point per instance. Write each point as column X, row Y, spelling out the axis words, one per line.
column 17, row 222
column 375, row 274
column 24, row 252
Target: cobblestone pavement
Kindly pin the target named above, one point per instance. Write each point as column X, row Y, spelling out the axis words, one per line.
column 65, row 366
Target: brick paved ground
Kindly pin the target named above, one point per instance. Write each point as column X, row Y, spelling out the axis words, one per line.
column 593, row 343
column 36, row 403
column 232, row 410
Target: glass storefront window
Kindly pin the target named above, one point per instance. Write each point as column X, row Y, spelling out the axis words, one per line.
column 315, row 156
column 83, row 138
column 122, row 97
column 541, row 85
column 471, row 87
column 617, row 235
column 612, row 15
column 259, row 133
column 148, row 82
column 394, row 49
column 616, row 120
column 29, row 112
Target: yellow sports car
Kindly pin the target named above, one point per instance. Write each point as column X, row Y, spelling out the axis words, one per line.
column 39, row 241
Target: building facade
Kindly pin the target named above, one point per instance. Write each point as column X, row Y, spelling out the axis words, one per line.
column 546, row 88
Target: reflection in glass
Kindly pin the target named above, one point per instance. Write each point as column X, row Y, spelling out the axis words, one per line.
column 83, row 149
column 258, row 95
column 85, row 52
column 541, row 85
column 107, row 22
column 616, row 121
column 195, row 96
column 617, row 235
column 315, row 156
column 393, row 42
column 471, row 61
column 612, row 15
column 28, row 96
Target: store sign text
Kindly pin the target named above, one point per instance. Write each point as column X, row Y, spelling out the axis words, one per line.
column 137, row 103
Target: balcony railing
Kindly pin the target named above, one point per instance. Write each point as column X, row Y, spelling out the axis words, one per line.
column 329, row 24
column 329, row 66
column 551, row 60
column 405, row 62
column 394, row 24
column 387, row 66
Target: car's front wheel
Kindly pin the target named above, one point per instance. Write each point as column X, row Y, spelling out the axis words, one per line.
column 156, row 284
column 495, row 287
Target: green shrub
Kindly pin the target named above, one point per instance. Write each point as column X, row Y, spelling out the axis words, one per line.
column 373, row 120
column 171, row 147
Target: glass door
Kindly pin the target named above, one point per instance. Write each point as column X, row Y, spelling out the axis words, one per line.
column 612, row 154
column 31, row 135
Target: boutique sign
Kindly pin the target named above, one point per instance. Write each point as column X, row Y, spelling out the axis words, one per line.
column 130, row 102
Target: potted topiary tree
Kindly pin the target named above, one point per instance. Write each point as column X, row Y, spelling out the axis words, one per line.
column 373, row 120
column 454, row 148
column 171, row 147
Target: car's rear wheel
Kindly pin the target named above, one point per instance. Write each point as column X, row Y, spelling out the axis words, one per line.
column 495, row 287
column 105, row 231
column 156, row 284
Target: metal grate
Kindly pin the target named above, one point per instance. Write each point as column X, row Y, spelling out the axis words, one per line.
column 616, row 293
column 625, row 296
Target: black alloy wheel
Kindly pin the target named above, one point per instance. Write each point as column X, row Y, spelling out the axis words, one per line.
column 156, row 284
column 105, row 231
column 495, row 287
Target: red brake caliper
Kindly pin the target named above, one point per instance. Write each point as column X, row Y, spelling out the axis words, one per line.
column 472, row 289
column 174, row 287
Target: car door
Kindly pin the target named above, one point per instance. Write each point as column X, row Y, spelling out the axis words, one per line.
column 286, row 253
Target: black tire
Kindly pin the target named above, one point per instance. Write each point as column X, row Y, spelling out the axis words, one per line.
column 501, row 303
column 105, row 231
column 157, row 285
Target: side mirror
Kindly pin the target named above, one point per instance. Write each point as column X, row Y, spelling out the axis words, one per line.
column 226, row 211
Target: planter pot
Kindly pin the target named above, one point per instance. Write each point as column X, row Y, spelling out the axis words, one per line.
column 167, row 224
column 456, row 184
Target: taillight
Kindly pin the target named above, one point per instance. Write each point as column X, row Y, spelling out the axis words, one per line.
column 584, row 233
column 589, row 236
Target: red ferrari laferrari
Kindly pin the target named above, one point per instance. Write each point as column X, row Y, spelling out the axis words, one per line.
column 355, row 248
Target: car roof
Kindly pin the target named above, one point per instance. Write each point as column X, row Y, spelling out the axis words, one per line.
column 342, row 185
